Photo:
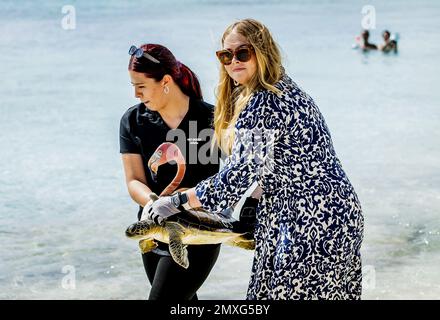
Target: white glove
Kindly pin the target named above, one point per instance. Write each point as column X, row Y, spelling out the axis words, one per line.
column 147, row 207
column 161, row 209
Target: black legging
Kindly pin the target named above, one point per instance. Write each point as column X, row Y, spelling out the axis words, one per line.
column 171, row 281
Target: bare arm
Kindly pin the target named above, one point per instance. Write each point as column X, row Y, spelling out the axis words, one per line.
column 135, row 178
column 192, row 198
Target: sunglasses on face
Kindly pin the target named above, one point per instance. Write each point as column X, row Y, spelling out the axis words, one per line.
column 242, row 54
column 139, row 52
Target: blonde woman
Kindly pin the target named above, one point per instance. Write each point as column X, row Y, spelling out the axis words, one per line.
column 309, row 220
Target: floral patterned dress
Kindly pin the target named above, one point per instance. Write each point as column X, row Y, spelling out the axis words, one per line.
column 309, row 219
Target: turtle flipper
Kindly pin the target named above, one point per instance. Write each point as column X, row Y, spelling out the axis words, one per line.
column 147, row 245
column 241, row 242
column 177, row 248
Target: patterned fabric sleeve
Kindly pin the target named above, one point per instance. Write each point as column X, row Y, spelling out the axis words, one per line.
column 256, row 130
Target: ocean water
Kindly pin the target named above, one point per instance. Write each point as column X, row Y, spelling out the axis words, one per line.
column 64, row 205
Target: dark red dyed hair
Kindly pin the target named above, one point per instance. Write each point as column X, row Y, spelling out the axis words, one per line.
column 181, row 74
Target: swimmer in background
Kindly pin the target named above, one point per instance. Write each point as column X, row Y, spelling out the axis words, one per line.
column 364, row 44
column 389, row 44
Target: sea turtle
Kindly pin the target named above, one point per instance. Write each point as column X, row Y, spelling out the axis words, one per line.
column 189, row 227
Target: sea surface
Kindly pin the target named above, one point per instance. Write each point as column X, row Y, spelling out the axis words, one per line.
column 64, row 205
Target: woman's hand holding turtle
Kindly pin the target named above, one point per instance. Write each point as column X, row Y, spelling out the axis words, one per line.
column 160, row 209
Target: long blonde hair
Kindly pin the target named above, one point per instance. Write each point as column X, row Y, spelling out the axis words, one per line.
column 231, row 100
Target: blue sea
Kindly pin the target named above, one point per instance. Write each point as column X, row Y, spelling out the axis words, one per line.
column 64, row 205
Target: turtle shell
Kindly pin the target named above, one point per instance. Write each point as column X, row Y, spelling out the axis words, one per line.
column 203, row 220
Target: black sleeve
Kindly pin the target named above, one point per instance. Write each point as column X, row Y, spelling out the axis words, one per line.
column 126, row 142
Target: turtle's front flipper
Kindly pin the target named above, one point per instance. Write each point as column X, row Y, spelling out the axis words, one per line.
column 147, row 245
column 177, row 248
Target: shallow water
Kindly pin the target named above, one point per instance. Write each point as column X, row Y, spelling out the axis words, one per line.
column 63, row 201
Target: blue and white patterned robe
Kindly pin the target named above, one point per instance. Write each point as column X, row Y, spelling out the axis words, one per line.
column 309, row 219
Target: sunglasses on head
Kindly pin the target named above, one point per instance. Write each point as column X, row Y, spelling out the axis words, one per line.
column 139, row 52
column 242, row 54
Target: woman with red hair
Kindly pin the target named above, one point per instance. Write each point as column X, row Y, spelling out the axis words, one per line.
column 170, row 101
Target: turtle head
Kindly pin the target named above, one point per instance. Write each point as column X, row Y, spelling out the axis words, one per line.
column 139, row 229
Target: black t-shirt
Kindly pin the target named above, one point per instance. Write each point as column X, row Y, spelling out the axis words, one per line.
column 143, row 130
